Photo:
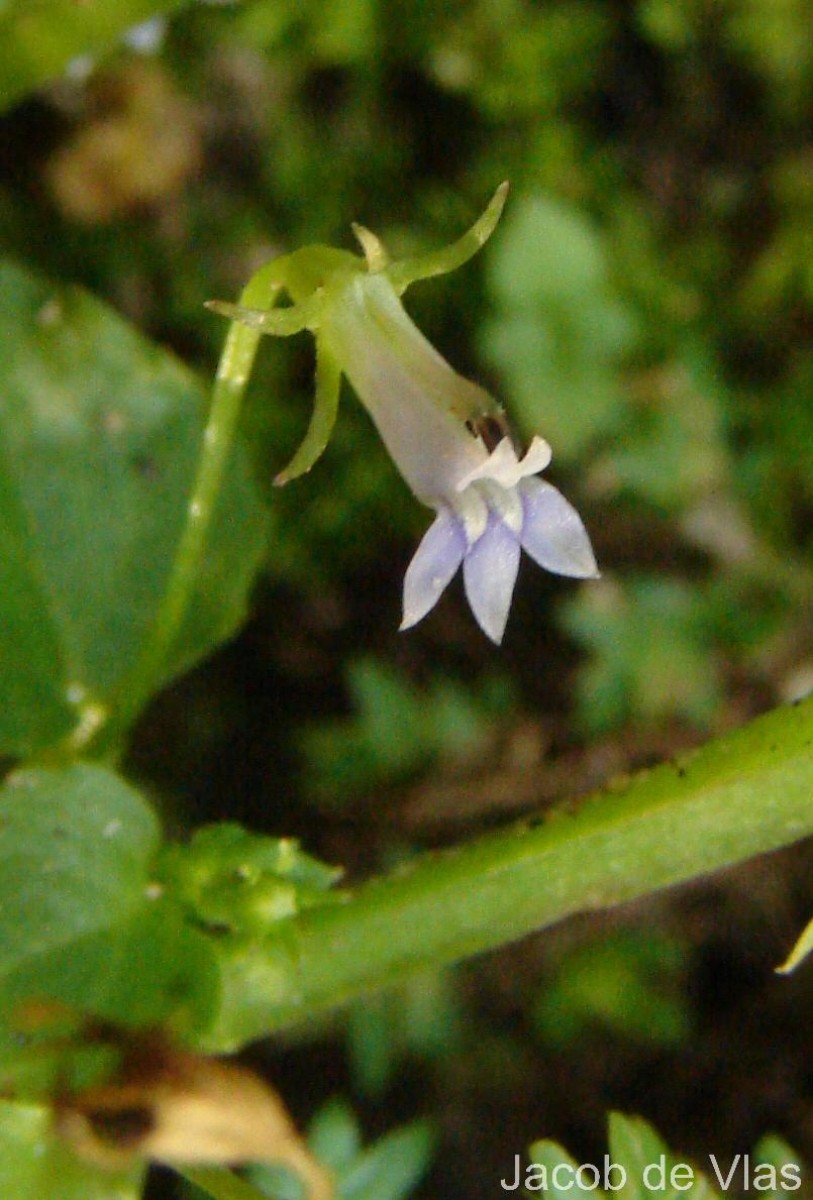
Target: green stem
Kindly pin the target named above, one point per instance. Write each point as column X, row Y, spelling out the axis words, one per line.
column 745, row 794
column 234, row 370
column 220, row 1184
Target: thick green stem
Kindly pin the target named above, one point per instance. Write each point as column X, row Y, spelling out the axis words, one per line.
column 745, row 794
column 233, row 374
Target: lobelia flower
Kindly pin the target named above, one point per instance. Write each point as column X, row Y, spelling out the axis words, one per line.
column 446, row 435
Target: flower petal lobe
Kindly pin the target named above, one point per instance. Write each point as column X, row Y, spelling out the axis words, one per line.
column 553, row 533
column 489, row 574
column 433, row 567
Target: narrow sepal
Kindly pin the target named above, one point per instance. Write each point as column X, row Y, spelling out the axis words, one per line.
column 440, row 262
column 323, row 417
column 280, row 322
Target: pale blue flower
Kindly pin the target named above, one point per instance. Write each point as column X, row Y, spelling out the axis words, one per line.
column 483, row 524
column 446, row 435
column 489, row 502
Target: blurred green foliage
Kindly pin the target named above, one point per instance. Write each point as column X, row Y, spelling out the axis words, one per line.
column 561, row 328
column 649, row 656
column 627, row 984
column 33, row 1164
column 396, row 731
column 421, row 1020
column 646, row 306
column 389, row 1169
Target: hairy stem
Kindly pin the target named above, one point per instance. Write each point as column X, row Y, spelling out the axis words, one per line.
column 745, row 794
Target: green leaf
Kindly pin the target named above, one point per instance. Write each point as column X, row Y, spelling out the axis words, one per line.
column 780, row 1163
column 545, row 1158
column 35, row 1164
column 40, row 38
column 75, row 847
column 637, row 1147
column 652, row 1172
column 392, row 1167
column 638, row 1167
column 82, row 923
column 334, row 1135
column 99, row 437
column 138, row 972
